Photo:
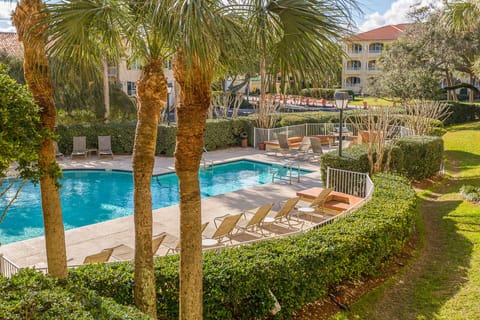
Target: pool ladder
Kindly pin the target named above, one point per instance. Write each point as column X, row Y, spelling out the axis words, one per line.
column 206, row 163
column 291, row 166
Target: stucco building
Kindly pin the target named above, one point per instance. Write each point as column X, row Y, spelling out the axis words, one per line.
column 362, row 51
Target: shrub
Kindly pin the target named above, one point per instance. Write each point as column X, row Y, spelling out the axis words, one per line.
column 470, row 193
column 462, row 112
column 318, row 93
column 416, row 157
column 422, row 156
column 32, row 295
column 298, row 269
column 219, row 134
column 355, row 159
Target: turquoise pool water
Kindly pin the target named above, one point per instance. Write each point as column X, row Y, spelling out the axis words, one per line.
column 95, row 196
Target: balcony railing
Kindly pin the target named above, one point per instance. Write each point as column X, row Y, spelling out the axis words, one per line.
column 353, row 68
column 375, row 51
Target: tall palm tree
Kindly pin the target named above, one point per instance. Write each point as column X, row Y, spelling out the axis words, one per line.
column 198, row 29
column 298, row 38
column 76, row 26
column 26, row 18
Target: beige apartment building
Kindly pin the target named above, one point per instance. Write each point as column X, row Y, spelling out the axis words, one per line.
column 362, row 51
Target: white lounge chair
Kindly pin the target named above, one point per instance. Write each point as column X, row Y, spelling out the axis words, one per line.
column 79, row 147
column 105, row 146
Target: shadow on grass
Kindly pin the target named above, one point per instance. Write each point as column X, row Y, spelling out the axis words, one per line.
column 466, row 160
column 420, row 291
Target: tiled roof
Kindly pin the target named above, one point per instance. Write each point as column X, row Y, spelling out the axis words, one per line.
column 10, row 44
column 390, row 32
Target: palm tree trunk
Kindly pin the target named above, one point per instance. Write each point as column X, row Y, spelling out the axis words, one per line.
column 152, row 95
column 193, row 104
column 26, row 18
column 106, row 90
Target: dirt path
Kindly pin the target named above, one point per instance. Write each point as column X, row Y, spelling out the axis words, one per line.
column 435, row 275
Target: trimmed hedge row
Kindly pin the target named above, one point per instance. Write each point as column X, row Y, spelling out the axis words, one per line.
column 462, row 112
column 219, row 134
column 299, row 269
column 416, row 157
column 31, row 295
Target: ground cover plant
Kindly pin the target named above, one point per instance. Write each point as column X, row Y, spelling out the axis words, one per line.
column 238, row 281
column 443, row 281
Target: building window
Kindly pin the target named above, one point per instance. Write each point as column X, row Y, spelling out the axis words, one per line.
column 168, row 65
column 352, row 81
column 131, row 88
column 356, row 48
column 354, row 65
column 372, row 65
column 375, row 48
column 134, row 65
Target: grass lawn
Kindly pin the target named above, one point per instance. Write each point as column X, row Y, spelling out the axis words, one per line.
column 372, row 101
column 443, row 280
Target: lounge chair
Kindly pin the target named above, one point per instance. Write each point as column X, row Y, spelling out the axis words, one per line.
column 318, row 203
column 285, row 211
column 105, row 146
column 176, row 247
column 125, row 253
column 79, row 147
column 102, row 256
column 303, row 150
column 284, row 148
column 225, row 226
column 317, row 150
column 58, row 154
column 256, row 219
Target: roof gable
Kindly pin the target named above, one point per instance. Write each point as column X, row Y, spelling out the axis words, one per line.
column 10, row 44
column 390, row 32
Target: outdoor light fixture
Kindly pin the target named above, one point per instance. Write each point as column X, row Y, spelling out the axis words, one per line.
column 169, row 90
column 341, row 101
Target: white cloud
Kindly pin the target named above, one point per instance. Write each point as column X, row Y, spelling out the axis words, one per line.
column 396, row 14
column 6, row 8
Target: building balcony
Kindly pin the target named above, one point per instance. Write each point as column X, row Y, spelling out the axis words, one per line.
column 375, row 51
column 353, row 69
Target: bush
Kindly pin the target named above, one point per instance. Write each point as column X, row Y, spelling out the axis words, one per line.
column 422, row 156
column 32, row 295
column 298, row 269
column 219, row 134
column 470, row 193
column 416, row 157
column 462, row 112
column 355, row 159
column 318, row 93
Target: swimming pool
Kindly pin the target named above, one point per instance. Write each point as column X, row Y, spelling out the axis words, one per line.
column 92, row 196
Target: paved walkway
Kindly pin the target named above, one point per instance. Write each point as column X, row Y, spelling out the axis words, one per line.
column 93, row 238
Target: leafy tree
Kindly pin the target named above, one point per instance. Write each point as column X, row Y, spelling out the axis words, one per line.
column 20, row 136
column 26, row 18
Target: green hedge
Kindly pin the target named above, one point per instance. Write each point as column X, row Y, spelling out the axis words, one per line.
column 355, row 158
column 318, row 93
column 297, row 269
column 219, row 134
column 31, row 295
column 422, row 156
column 462, row 112
column 416, row 157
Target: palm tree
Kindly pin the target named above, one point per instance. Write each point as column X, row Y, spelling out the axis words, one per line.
column 464, row 16
column 26, row 18
column 107, row 20
column 297, row 38
column 197, row 32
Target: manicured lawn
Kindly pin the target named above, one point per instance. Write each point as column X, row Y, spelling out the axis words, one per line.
column 443, row 281
column 372, row 101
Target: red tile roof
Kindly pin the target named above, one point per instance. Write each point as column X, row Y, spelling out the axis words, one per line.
column 390, row 32
column 10, row 44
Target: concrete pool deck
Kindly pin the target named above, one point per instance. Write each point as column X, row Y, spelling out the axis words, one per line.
column 93, row 238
